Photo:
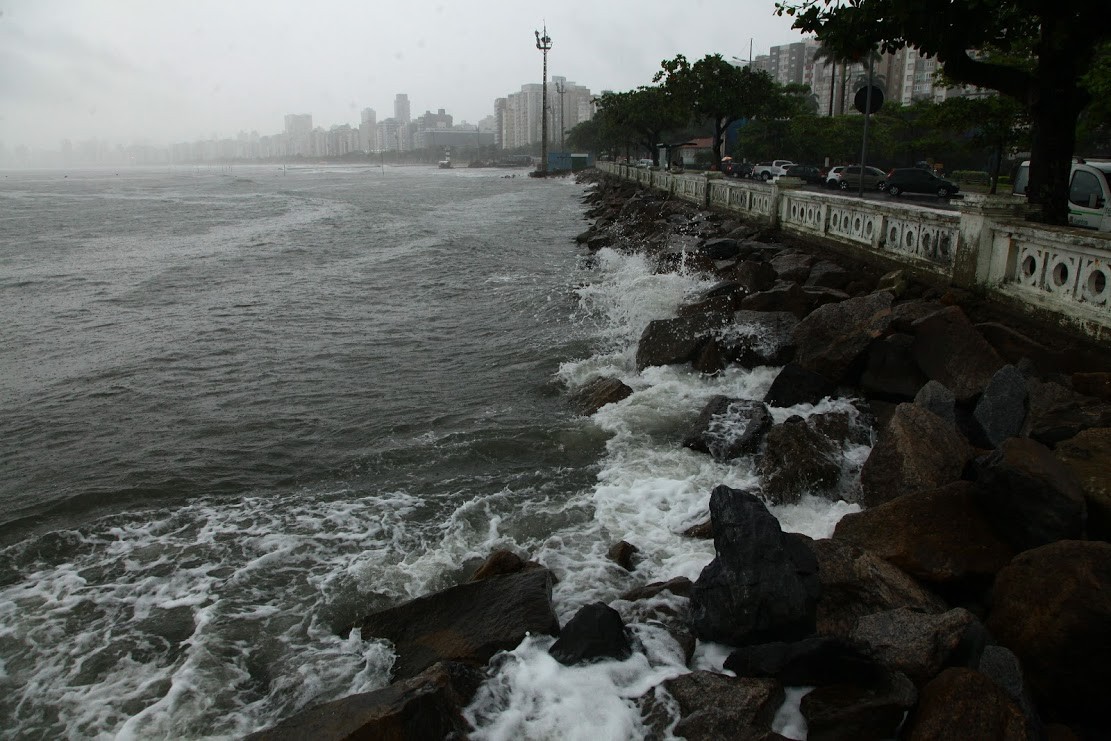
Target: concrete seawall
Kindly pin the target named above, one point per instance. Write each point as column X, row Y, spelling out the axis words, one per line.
column 1059, row 275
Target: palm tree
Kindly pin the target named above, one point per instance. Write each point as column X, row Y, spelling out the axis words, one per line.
column 828, row 57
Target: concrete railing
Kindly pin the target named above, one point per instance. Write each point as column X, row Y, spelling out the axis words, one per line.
column 1062, row 274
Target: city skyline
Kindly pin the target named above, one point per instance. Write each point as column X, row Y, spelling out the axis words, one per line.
column 173, row 71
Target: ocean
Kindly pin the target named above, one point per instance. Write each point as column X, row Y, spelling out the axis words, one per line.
column 242, row 407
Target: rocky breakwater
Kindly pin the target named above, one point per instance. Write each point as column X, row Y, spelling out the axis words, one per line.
column 969, row 598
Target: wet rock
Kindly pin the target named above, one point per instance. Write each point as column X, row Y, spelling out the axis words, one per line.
column 755, row 338
column 720, row 306
column 905, row 313
column 622, row 553
column 1000, row 665
column 938, row 536
column 894, row 283
column 714, row 706
column 502, row 562
column 721, row 248
column 815, row 661
column 595, row 394
column 796, row 385
column 935, row 398
column 919, row 645
column 709, row 359
column 856, row 583
column 468, row 623
column 1052, row 607
column 425, row 706
column 949, row 350
column 680, row 586
column 1029, row 496
column 1001, row 411
column 701, row 531
column 832, row 337
column 671, row 341
column 781, row 297
column 890, row 370
column 727, row 428
column 1088, row 457
column 793, row 266
column 595, row 633
column 754, row 276
column 1057, row 413
column 1096, row 385
column 849, row 712
column 966, row 700
column 1013, row 346
column 852, row 428
column 798, row 459
column 916, row 451
column 826, row 274
column 762, row 585
column 598, row 241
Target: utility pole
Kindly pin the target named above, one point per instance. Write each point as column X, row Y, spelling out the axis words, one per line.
column 560, row 90
column 544, row 43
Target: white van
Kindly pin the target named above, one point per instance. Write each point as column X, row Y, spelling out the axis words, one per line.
column 1089, row 193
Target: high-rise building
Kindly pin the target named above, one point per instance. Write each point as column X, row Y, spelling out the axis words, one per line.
column 367, row 129
column 519, row 114
column 401, row 108
column 298, row 128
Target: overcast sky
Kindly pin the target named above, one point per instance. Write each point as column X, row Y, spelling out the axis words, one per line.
column 178, row 70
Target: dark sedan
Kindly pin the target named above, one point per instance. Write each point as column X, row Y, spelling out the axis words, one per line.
column 917, row 180
column 736, row 169
column 809, row 173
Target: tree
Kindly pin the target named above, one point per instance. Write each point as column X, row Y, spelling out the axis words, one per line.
column 994, row 123
column 714, row 89
column 1065, row 39
column 645, row 115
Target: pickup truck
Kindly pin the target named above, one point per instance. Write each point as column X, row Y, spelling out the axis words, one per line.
column 769, row 170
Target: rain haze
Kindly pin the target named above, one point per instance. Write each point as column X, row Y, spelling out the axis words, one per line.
column 160, row 72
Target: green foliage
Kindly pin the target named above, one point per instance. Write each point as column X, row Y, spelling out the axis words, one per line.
column 1041, row 54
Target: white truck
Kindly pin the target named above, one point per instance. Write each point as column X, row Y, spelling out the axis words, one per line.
column 1089, row 192
column 770, row 170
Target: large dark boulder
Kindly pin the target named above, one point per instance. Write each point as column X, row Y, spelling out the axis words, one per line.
column 754, row 276
column 890, row 371
column 1058, row 413
column 468, row 623
column 595, row 394
column 798, row 459
column 826, row 274
column 1088, row 457
column 793, row 266
column 832, row 337
column 762, row 585
column 921, row 645
column 502, row 562
column 940, row 536
column 720, row 248
column 1001, row 410
column 916, row 451
column 423, row 707
column 934, row 397
column 671, row 341
column 850, row 712
column 962, row 703
column 759, row 338
column 1052, row 607
column 596, row 632
column 856, row 583
column 780, row 297
column 813, row 661
column 714, row 706
column 949, row 350
column 727, row 428
column 1029, row 496
column 796, row 385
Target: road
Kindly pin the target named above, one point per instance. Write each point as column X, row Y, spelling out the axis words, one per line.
column 930, row 201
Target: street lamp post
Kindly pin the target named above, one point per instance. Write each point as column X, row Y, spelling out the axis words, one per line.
column 544, row 43
column 560, row 90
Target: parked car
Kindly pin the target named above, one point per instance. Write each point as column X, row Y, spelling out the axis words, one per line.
column 833, row 177
column 769, row 170
column 917, row 180
column 809, row 173
column 644, row 163
column 736, row 169
column 873, row 177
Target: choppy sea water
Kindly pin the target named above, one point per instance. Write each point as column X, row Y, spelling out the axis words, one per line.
column 241, row 408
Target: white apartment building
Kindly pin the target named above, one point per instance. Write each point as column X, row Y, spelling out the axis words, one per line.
column 518, row 116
